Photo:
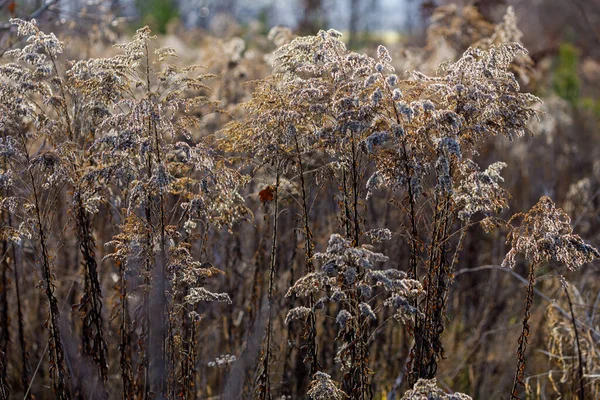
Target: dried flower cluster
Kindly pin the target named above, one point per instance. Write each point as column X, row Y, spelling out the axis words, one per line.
column 427, row 389
column 323, row 387
column 339, row 114
column 115, row 134
column 545, row 234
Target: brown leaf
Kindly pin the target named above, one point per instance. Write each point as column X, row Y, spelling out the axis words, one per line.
column 267, row 194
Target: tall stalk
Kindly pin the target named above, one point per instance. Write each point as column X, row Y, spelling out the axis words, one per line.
column 157, row 325
column 56, row 352
column 4, row 334
column 265, row 376
column 125, row 337
column 523, row 337
column 20, row 327
column 91, row 303
column 311, row 329
column 580, row 367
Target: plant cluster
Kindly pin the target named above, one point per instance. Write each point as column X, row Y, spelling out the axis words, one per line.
column 121, row 193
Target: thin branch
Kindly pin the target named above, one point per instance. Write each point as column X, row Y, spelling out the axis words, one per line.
column 537, row 292
column 580, row 369
column 62, row 308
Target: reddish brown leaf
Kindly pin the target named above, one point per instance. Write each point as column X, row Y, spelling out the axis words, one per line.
column 267, row 194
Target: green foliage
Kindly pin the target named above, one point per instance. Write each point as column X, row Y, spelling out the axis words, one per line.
column 590, row 104
column 566, row 82
column 157, row 13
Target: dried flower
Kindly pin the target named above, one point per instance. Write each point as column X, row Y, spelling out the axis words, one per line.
column 544, row 234
column 322, row 387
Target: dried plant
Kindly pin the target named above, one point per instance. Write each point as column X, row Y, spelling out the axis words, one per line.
column 35, row 93
column 323, row 387
column 543, row 234
column 148, row 149
column 348, row 277
column 427, row 389
column 124, row 180
column 571, row 351
column 141, row 146
column 421, row 133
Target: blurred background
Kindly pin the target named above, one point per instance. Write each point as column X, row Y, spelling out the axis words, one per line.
column 546, row 22
column 569, row 29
